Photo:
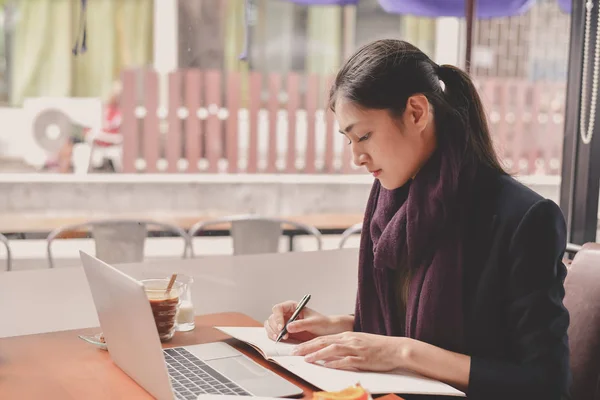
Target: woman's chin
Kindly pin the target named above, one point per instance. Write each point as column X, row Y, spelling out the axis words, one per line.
column 391, row 184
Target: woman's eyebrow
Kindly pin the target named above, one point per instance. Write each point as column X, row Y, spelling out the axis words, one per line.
column 348, row 129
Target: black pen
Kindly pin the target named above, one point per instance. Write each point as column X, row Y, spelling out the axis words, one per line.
column 301, row 305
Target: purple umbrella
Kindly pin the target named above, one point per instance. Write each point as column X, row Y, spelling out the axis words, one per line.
column 470, row 9
column 565, row 5
column 325, row 2
column 456, row 8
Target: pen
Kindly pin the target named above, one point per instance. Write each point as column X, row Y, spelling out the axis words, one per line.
column 301, row 305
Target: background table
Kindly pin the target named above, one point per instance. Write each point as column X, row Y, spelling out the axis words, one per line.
column 32, row 225
column 48, row 300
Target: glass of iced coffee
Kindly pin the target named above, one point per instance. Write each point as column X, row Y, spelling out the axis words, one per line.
column 164, row 304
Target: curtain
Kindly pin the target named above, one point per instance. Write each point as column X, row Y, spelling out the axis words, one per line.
column 119, row 35
column 324, row 40
column 42, row 50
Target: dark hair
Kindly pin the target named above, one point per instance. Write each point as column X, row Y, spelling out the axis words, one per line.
column 385, row 73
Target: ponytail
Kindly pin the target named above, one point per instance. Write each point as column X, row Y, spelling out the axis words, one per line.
column 465, row 103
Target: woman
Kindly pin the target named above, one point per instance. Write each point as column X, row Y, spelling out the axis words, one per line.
column 460, row 271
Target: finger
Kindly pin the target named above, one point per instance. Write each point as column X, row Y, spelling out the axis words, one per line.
column 302, row 325
column 269, row 330
column 281, row 310
column 273, row 323
column 314, row 345
column 275, row 328
column 350, row 363
column 330, row 352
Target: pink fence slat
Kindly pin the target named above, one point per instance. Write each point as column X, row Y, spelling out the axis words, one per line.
column 329, row 129
column 214, row 142
column 516, row 141
column 503, row 106
column 254, row 108
column 193, row 128
column 273, row 104
column 233, row 106
column 311, row 101
column 129, row 125
column 173, row 143
column 554, row 153
column 293, row 94
column 488, row 96
column 524, row 137
column 151, row 137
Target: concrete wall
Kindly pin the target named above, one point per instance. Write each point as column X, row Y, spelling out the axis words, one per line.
column 263, row 194
column 206, row 194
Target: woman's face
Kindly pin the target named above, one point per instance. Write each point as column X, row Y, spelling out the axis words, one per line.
column 393, row 149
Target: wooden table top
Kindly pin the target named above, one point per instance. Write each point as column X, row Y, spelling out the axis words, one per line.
column 61, row 366
column 40, row 222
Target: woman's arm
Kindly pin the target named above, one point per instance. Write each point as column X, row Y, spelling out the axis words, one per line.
column 537, row 320
column 368, row 352
column 435, row 363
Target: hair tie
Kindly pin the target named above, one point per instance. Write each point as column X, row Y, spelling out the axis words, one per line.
column 440, row 71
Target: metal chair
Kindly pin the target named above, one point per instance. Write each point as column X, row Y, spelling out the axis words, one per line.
column 4, row 240
column 254, row 234
column 354, row 229
column 118, row 240
column 573, row 248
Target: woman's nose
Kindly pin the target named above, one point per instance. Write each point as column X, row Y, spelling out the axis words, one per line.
column 359, row 157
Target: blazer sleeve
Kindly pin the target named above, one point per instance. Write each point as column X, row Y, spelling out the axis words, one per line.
column 536, row 316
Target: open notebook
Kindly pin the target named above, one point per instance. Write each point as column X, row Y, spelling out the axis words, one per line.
column 331, row 379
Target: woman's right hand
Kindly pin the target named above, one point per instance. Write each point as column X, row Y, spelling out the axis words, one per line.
column 307, row 326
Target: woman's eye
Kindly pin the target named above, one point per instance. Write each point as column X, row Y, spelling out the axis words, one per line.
column 365, row 137
column 360, row 139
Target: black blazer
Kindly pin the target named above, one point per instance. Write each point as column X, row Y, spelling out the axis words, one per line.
column 515, row 320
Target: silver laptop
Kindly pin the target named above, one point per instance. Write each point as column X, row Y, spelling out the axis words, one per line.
column 177, row 373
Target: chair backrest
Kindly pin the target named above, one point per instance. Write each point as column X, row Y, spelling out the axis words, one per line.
column 118, row 240
column 354, row 229
column 254, row 234
column 582, row 299
column 4, row 240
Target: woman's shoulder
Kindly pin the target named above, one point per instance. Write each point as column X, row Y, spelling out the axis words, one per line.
column 510, row 202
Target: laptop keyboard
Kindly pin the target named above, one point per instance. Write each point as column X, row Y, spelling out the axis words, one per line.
column 190, row 376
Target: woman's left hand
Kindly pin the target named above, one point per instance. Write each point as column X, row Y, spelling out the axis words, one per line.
column 355, row 351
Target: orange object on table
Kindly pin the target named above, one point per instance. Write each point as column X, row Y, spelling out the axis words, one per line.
column 355, row 392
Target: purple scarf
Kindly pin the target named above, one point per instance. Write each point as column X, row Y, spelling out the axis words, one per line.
column 418, row 227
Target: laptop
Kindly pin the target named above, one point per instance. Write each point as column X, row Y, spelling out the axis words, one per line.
column 177, row 373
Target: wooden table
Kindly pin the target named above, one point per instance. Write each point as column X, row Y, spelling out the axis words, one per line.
column 43, row 223
column 61, row 366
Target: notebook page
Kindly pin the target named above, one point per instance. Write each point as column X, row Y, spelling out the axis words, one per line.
column 376, row 383
column 258, row 338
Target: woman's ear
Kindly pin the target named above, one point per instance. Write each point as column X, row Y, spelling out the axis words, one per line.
column 417, row 112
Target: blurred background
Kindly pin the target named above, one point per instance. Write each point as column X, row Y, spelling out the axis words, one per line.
column 178, row 110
